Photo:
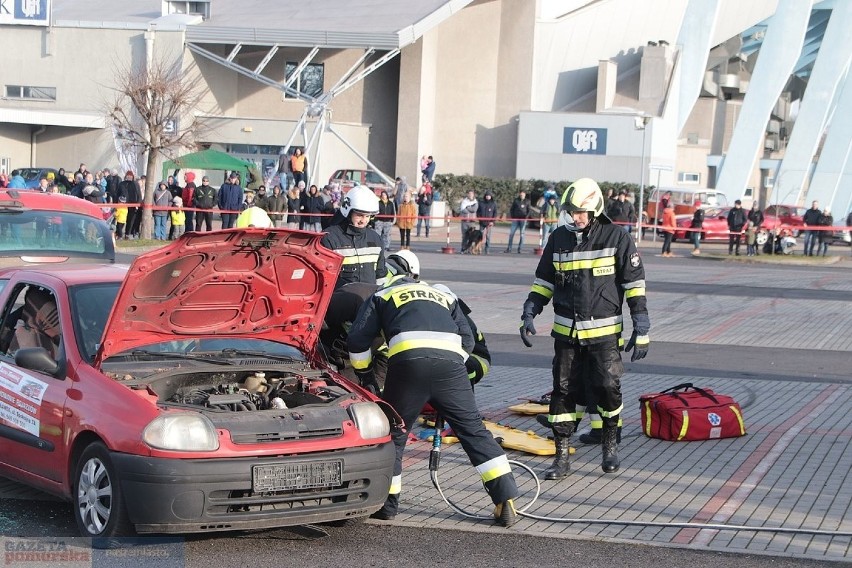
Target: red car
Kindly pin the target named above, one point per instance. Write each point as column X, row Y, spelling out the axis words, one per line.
column 715, row 225
column 186, row 393
column 783, row 217
column 40, row 227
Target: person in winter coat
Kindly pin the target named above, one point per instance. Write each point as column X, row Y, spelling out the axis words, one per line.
column 621, row 211
column 467, row 211
column 811, row 219
column 230, row 200
column 204, row 199
column 276, row 206
column 162, row 200
column 129, row 192
column 668, row 228
column 825, row 220
column 385, row 219
column 697, row 225
column 736, row 222
column 487, row 214
column 187, row 197
column 518, row 213
column 405, row 220
column 312, row 208
column 294, row 205
column 549, row 217
column 424, row 206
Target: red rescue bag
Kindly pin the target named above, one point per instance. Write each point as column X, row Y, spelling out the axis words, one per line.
column 686, row 412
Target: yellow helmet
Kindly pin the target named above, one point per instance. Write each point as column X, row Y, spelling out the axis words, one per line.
column 583, row 195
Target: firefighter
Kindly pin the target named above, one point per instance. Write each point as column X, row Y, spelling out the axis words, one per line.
column 479, row 362
column 361, row 246
column 588, row 268
column 428, row 341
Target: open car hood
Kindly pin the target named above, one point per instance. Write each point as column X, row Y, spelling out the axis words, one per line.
column 258, row 283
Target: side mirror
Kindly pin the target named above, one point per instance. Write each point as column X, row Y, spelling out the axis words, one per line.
column 36, row 359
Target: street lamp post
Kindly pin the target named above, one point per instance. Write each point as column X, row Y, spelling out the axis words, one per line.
column 641, row 123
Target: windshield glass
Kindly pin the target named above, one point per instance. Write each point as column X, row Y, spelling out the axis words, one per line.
column 54, row 233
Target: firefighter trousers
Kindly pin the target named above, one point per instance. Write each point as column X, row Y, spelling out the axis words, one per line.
column 585, row 371
column 410, row 384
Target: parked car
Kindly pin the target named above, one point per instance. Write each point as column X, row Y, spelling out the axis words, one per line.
column 55, row 228
column 347, row 179
column 683, row 199
column 841, row 236
column 776, row 217
column 32, row 175
column 715, row 225
column 186, row 393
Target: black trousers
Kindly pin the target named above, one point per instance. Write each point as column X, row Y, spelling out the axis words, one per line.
column 411, row 383
column 581, row 373
column 203, row 218
column 734, row 241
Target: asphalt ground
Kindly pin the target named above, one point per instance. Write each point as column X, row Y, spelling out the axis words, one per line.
column 774, row 336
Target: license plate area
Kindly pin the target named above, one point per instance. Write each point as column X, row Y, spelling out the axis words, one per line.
column 290, row 476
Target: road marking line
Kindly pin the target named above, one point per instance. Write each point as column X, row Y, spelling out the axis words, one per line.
column 731, row 496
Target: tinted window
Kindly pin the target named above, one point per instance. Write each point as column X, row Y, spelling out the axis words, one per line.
column 90, row 307
column 54, row 233
column 373, row 177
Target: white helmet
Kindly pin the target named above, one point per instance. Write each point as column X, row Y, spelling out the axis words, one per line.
column 406, row 261
column 582, row 195
column 361, row 199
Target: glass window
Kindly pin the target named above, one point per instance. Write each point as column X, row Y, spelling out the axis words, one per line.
column 688, row 177
column 310, row 82
column 90, row 307
column 27, row 92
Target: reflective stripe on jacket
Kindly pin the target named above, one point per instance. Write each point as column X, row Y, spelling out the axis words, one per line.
column 362, row 251
column 589, row 281
column 417, row 321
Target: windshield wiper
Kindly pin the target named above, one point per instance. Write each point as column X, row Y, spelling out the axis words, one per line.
column 181, row 355
column 285, row 358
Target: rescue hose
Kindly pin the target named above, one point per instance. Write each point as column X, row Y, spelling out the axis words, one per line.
column 433, row 474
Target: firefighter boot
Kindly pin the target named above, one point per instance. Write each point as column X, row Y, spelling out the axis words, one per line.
column 593, row 437
column 388, row 510
column 562, row 461
column 609, row 447
column 505, row 514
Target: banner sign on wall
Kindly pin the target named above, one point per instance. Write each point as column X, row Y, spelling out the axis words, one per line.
column 584, row 140
column 25, row 12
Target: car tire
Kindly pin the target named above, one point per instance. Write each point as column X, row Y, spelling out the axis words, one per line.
column 99, row 506
column 762, row 237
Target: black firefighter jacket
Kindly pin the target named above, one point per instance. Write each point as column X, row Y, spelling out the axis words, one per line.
column 588, row 282
column 363, row 253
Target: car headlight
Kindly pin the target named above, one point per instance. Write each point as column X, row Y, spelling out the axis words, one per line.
column 186, row 432
column 370, row 420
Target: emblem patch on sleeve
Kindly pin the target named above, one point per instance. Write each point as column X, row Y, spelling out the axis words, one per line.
column 635, row 261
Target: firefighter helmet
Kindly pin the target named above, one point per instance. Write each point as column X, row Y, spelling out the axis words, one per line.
column 404, row 262
column 361, row 199
column 583, row 195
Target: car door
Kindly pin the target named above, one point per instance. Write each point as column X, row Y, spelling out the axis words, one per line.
column 32, row 403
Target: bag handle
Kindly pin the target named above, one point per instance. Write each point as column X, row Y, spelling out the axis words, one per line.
column 685, row 386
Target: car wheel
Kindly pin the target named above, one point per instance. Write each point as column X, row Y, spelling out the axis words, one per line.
column 762, row 237
column 99, row 507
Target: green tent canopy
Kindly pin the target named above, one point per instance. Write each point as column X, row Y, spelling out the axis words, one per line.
column 209, row 160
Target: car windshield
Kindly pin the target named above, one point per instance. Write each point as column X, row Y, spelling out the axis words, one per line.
column 30, row 174
column 35, row 232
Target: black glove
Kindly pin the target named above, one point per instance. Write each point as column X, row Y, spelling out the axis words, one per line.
column 639, row 341
column 527, row 328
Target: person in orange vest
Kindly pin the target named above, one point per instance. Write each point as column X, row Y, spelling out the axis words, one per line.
column 298, row 165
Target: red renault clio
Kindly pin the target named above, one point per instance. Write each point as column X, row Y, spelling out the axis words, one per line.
column 187, row 393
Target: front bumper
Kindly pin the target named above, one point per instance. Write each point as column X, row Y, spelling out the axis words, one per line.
column 204, row 495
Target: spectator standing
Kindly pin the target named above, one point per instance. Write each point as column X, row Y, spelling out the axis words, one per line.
column 81, row 171
column 518, row 213
column 736, row 222
column 276, row 206
column 4, row 181
column 43, row 185
column 91, row 190
column 248, row 200
column 405, row 220
column 128, row 192
column 811, row 219
column 696, row 225
column 668, row 229
column 312, row 208
column 467, row 212
column 750, row 238
column 260, row 199
column 204, row 199
column 112, row 181
column 230, row 200
column 825, row 220
column 63, row 181
column 549, row 218
column 849, row 222
column 17, row 180
column 424, row 205
column 385, row 219
column 621, row 211
column 162, row 199
column 429, row 170
column 400, row 188
column 755, row 215
column 294, row 205
column 487, row 214
column 187, row 197
column 178, row 218
column 298, row 166
column 120, row 216
column 664, row 201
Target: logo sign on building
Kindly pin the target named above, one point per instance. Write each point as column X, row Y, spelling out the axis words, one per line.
column 584, row 140
column 25, row 12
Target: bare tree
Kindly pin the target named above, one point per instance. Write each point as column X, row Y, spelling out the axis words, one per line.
column 154, row 109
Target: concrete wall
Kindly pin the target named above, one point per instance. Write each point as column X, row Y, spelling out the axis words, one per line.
column 540, row 155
